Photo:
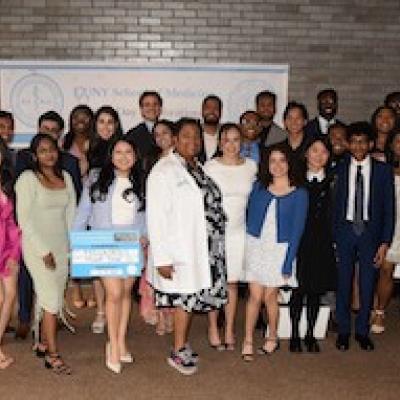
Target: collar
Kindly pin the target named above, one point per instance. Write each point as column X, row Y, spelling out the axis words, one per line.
column 364, row 163
column 149, row 125
column 320, row 175
column 326, row 122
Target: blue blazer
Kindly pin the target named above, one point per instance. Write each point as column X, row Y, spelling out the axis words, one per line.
column 381, row 207
column 291, row 218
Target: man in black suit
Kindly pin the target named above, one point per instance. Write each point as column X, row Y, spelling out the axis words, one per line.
column 52, row 124
column 211, row 112
column 150, row 104
column 327, row 109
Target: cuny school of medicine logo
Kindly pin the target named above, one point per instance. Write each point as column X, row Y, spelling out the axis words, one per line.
column 33, row 95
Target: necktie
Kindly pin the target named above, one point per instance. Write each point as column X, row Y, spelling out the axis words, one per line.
column 358, row 221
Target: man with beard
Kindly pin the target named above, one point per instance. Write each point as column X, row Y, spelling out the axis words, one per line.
column 271, row 133
column 327, row 109
column 211, row 111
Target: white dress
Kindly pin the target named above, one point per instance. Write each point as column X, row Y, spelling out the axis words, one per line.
column 235, row 182
column 265, row 256
column 393, row 255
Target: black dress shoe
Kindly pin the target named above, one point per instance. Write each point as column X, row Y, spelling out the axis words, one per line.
column 342, row 342
column 295, row 345
column 311, row 344
column 365, row 342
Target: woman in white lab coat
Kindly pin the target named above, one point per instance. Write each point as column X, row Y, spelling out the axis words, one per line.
column 186, row 230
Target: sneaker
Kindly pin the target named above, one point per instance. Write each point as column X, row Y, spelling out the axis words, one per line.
column 181, row 362
column 191, row 354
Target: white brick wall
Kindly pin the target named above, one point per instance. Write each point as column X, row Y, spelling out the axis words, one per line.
column 351, row 45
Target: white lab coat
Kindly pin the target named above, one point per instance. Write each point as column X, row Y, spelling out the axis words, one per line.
column 176, row 229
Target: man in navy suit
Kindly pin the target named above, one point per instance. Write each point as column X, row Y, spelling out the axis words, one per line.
column 363, row 229
column 327, row 108
column 150, row 104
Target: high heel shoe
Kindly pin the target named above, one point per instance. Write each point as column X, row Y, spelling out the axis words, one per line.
column 295, row 345
column 114, row 367
column 99, row 323
column 247, row 351
column 127, row 358
column 311, row 344
column 264, row 351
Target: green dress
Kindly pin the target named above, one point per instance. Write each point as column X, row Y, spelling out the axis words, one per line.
column 45, row 217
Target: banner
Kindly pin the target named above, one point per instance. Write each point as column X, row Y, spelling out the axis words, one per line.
column 29, row 88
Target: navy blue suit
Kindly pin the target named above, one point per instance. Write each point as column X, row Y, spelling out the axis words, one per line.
column 351, row 248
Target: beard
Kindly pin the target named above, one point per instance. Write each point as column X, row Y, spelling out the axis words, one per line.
column 211, row 119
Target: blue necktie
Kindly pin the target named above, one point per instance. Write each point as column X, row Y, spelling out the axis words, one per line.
column 358, row 221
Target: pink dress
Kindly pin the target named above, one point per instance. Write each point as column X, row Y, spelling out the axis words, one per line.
column 10, row 235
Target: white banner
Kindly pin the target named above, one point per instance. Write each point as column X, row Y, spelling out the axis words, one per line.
column 29, row 88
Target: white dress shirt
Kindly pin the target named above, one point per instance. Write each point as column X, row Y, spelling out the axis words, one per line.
column 210, row 144
column 366, row 172
column 324, row 124
column 320, row 175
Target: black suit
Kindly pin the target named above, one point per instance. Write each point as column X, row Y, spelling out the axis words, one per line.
column 143, row 140
column 313, row 128
column 69, row 163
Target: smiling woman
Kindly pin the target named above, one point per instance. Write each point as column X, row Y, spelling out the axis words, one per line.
column 45, row 210
column 113, row 200
column 187, row 239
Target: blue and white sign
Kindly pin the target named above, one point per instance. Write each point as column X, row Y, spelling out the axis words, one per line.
column 105, row 253
column 30, row 88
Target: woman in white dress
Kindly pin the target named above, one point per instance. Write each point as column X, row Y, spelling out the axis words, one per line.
column 385, row 282
column 235, row 176
column 276, row 216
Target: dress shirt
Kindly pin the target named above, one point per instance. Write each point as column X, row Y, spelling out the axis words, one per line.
column 149, row 125
column 319, row 176
column 210, row 144
column 324, row 124
column 251, row 150
column 366, row 172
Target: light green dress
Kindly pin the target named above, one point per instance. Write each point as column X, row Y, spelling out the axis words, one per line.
column 45, row 217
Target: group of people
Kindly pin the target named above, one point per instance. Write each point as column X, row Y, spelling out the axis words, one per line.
column 311, row 207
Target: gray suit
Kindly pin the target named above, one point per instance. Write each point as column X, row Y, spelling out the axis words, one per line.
column 275, row 135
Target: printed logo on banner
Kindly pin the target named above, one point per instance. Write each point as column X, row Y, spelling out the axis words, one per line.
column 33, row 95
column 242, row 96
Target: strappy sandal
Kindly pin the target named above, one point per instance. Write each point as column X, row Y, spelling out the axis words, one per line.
column 247, row 355
column 263, row 351
column 39, row 349
column 5, row 361
column 54, row 362
column 377, row 325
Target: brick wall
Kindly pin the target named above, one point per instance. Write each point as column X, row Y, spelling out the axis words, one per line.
column 351, row 45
